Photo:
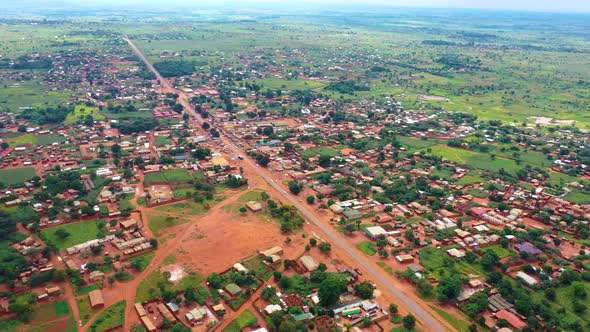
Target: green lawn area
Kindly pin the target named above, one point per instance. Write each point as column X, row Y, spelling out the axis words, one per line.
column 478, row 160
column 111, row 317
column 24, row 139
column 161, row 141
column 297, row 84
column 578, row 197
column 81, row 111
column 477, row 193
column 172, row 175
column 367, row 247
column 79, row 232
column 157, row 222
column 557, row 179
column 416, row 143
column 49, row 139
column 499, row 250
column 246, row 318
column 459, row 324
column 432, row 258
column 321, row 150
column 16, row 175
column 470, row 178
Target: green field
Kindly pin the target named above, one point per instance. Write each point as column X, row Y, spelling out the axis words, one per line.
column 16, row 175
column 81, row 111
column 111, row 317
column 158, row 222
column 578, row 197
column 367, row 247
column 245, row 318
column 80, row 232
column 49, row 139
column 475, row 159
column 173, row 175
column 322, row 151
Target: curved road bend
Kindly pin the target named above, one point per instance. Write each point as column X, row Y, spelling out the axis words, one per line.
column 428, row 321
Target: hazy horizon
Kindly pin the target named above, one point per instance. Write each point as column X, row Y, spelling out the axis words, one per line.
column 565, row 6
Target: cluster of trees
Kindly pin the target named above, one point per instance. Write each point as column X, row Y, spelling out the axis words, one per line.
column 135, row 126
column 287, row 214
column 347, row 87
column 49, row 115
column 172, row 68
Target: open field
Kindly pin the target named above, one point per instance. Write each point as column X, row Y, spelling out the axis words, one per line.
column 79, row 232
column 82, row 111
column 111, row 317
column 174, row 175
column 16, row 175
column 246, row 318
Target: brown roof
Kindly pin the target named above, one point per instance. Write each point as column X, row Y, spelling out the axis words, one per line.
column 95, row 297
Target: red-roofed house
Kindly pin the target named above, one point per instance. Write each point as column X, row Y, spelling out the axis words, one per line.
column 513, row 319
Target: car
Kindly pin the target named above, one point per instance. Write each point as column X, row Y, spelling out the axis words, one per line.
column 358, row 271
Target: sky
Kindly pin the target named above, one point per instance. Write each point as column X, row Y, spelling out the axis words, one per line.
column 519, row 5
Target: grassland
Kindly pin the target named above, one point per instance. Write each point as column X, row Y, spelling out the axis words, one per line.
column 80, row 232
column 111, row 317
column 475, row 159
column 16, row 175
column 367, row 247
column 81, row 111
column 173, row 175
column 158, row 222
column 245, row 318
column 149, row 287
column 319, row 151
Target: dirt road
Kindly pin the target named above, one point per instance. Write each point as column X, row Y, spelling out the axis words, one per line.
column 429, row 322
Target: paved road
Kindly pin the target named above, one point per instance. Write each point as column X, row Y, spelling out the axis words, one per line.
column 428, row 322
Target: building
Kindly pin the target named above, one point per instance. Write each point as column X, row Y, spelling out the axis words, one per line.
column 375, row 231
column 96, row 299
column 196, row 315
column 513, row 319
column 530, row 281
column 309, row 263
column 254, row 206
column 147, row 323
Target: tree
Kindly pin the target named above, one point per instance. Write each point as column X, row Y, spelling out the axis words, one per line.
column 243, row 209
column 364, row 290
column 22, row 306
column 295, row 187
column 393, row 309
column 288, row 146
column 409, row 321
column 331, row 288
column 325, row 247
column 489, row 259
column 287, row 325
column 424, row 287
column 449, row 288
column 61, row 234
column 215, row 280
column 310, row 199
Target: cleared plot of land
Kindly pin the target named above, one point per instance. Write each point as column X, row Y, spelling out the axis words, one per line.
column 16, row 175
column 172, row 175
column 79, row 232
column 417, row 143
column 149, row 287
